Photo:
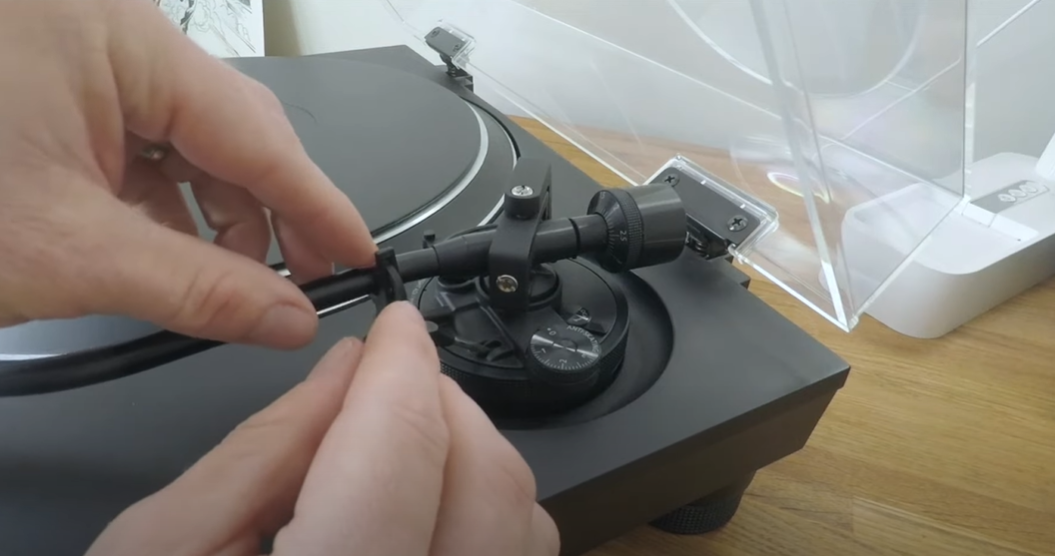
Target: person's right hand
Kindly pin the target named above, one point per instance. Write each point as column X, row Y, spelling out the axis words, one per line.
column 375, row 454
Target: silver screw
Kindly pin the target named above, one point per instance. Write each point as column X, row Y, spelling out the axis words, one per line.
column 506, row 283
column 737, row 223
column 522, row 191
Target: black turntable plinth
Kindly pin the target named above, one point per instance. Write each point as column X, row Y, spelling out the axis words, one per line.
column 639, row 392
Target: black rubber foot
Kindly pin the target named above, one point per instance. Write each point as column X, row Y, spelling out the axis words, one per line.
column 707, row 514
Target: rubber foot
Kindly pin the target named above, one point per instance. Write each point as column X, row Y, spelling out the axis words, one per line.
column 708, row 514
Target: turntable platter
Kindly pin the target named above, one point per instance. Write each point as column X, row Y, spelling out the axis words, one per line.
column 395, row 143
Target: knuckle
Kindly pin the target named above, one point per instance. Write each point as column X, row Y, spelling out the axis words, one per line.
column 260, row 91
column 214, row 300
column 271, row 105
column 269, row 99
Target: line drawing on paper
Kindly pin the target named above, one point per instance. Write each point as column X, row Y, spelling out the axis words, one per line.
column 225, row 28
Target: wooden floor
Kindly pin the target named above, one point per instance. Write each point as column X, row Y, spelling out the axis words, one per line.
column 933, row 448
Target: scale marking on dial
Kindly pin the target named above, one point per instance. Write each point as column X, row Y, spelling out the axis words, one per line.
column 565, row 348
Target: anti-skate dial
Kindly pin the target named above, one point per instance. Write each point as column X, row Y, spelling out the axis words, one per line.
column 563, row 354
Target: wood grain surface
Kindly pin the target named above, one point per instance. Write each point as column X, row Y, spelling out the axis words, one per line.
column 934, row 447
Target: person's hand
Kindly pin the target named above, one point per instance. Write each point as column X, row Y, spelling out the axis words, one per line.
column 89, row 227
column 375, row 454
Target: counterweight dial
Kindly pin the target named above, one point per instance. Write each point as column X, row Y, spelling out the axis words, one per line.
column 564, row 354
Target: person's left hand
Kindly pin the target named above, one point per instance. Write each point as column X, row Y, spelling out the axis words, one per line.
column 87, row 226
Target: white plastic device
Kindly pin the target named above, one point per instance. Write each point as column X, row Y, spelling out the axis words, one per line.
column 993, row 246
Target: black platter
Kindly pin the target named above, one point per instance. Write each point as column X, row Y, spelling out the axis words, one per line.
column 659, row 394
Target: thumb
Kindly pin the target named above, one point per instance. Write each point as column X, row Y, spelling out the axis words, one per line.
column 190, row 286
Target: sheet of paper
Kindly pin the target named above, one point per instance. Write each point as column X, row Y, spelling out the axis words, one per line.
column 225, row 28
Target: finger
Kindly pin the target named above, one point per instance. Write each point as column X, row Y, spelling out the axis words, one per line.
column 127, row 264
column 488, row 488
column 544, row 539
column 176, row 168
column 149, row 192
column 376, row 482
column 236, row 216
column 244, row 489
column 304, row 263
column 231, row 127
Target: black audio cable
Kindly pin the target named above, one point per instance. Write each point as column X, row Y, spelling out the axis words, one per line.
column 624, row 229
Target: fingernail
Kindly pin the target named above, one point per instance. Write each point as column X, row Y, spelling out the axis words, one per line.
column 407, row 310
column 285, row 326
column 339, row 359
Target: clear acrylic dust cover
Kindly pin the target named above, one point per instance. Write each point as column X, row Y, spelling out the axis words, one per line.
column 842, row 125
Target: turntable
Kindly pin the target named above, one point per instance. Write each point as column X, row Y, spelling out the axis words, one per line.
column 605, row 331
